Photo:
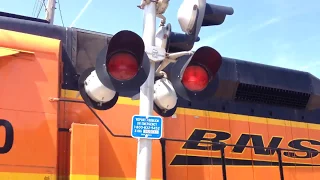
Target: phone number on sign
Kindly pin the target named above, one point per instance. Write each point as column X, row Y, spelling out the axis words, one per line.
column 147, row 127
column 151, row 131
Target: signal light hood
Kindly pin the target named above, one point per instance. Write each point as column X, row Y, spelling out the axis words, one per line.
column 123, row 42
column 206, row 57
column 215, row 14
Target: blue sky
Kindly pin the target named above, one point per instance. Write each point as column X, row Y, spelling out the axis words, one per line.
column 283, row 33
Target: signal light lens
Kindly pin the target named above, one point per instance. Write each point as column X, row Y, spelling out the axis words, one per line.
column 195, row 78
column 123, row 66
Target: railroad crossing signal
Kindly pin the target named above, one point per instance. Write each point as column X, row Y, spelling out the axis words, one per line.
column 121, row 66
column 124, row 64
column 193, row 76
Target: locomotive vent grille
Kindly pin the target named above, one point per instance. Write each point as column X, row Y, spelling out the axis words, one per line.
column 271, row 96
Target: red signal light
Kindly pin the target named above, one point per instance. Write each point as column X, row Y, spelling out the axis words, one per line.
column 123, row 66
column 195, row 78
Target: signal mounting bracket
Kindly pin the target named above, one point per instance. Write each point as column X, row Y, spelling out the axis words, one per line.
column 155, row 53
column 172, row 58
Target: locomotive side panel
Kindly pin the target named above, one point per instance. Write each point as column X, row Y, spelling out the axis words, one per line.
column 245, row 155
column 29, row 73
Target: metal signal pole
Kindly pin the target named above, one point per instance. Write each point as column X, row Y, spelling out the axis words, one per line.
column 143, row 171
column 51, row 7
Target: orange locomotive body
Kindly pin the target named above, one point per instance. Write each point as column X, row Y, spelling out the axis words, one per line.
column 47, row 132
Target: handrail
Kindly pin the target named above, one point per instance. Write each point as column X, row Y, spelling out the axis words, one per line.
column 96, row 115
column 280, row 164
column 223, row 162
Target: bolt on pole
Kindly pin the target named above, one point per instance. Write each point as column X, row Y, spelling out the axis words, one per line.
column 144, row 154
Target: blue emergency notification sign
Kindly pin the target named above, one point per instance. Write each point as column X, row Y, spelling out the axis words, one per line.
column 149, row 127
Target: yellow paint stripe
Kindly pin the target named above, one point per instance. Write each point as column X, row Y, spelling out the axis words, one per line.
column 211, row 114
column 95, row 177
column 26, row 176
column 34, row 176
column 112, row 178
